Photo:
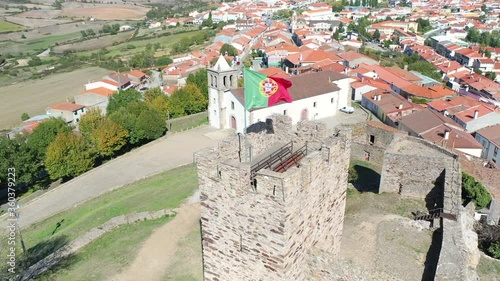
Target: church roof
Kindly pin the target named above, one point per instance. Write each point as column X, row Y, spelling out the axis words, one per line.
column 306, row 85
column 221, row 64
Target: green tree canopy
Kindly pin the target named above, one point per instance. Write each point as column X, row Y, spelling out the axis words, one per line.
column 69, row 156
column 190, row 98
column 199, row 79
column 475, row 191
column 89, row 123
column 163, row 60
column 109, row 137
column 17, row 154
column 122, row 99
column 229, row 49
column 46, row 133
column 376, row 34
column 25, row 116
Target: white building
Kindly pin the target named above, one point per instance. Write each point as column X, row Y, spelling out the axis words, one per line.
column 489, row 138
column 315, row 95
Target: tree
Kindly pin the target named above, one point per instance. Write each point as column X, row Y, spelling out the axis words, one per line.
column 122, row 99
column 199, row 78
column 352, row 174
column 109, row 137
column 190, row 98
column 376, row 35
column 151, row 124
column 25, row 116
column 473, row 35
column 46, row 133
column 17, row 154
column 84, row 33
column 128, row 121
column 494, row 249
column 69, row 156
column 163, row 60
column 491, row 75
column 90, row 122
column 228, row 50
column 474, row 191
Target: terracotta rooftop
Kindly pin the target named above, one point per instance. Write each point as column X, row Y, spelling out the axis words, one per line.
column 425, row 120
column 67, row 106
column 99, row 91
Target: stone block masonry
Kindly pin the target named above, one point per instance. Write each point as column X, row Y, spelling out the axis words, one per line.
column 265, row 228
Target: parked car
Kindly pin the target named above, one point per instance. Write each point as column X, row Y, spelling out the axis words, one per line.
column 347, row 109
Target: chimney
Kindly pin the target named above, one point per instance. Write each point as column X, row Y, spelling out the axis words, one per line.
column 446, row 134
column 449, row 63
column 379, row 97
column 400, row 106
column 476, row 114
column 405, row 67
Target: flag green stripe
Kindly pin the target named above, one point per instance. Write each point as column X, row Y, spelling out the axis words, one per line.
column 253, row 97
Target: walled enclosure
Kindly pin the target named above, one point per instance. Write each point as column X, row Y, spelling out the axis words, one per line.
column 264, row 230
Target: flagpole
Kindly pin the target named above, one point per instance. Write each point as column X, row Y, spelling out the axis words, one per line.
column 245, row 116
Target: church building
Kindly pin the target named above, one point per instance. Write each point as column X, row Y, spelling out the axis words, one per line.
column 315, row 95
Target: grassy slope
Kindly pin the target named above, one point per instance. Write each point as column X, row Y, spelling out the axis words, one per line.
column 105, row 256
column 7, row 26
column 488, row 269
column 165, row 190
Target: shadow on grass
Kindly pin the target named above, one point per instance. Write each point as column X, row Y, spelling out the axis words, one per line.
column 37, row 253
column 432, row 258
column 368, row 180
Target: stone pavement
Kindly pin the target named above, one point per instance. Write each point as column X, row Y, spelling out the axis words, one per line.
column 161, row 155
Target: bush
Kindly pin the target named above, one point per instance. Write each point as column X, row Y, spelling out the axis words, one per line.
column 494, row 250
column 353, row 174
column 473, row 190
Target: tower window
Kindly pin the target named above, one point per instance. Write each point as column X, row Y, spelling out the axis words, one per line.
column 284, row 112
column 232, row 105
column 314, row 104
column 331, row 100
column 372, row 139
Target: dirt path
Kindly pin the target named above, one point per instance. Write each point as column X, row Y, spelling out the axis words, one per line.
column 157, row 252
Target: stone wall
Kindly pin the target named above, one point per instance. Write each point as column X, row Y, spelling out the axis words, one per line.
column 417, row 168
column 263, row 231
column 459, row 252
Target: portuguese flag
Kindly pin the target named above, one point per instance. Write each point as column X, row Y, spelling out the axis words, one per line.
column 263, row 91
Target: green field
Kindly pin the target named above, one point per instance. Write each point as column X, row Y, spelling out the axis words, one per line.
column 36, row 45
column 7, row 26
column 163, row 191
column 140, row 45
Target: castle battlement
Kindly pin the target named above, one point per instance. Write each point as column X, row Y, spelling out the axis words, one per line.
column 268, row 200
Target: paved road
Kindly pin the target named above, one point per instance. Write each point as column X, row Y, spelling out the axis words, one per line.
column 161, row 155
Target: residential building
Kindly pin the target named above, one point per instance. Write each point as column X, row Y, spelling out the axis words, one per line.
column 95, row 98
column 388, row 106
column 70, row 112
column 489, row 137
column 352, row 59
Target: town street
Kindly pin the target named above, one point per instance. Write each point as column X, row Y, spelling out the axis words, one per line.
column 163, row 154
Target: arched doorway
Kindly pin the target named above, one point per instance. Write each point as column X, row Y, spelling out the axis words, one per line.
column 304, row 115
column 233, row 122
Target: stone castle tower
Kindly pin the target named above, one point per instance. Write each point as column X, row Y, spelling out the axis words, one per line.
column 261, row 218
column 221, row 77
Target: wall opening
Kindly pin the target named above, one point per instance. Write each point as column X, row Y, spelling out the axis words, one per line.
column 372, row 139
column 233, row 122
column 304, row 115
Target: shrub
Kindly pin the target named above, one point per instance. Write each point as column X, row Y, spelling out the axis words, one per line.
column 353, row 174
column 475, row 191
column 494, row 250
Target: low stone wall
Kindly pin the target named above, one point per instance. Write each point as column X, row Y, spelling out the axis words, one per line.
column 82, row 241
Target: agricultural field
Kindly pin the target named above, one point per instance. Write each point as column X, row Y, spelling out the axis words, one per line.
column 34, row 96
column 35, row 23
column 97, row 43
column 59, row 29
column 7, row 26
column 114, row 12
column 140, row 45
column 35, row 45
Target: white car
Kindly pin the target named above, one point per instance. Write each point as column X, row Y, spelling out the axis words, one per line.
column 347, row 109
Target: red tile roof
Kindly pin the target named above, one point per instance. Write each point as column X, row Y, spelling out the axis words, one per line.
column 492, row 133
column 99, row 91
column 67, row 106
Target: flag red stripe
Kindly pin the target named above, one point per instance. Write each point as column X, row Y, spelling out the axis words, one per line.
column 282, row 93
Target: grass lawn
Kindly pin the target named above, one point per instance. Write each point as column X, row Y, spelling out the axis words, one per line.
column 107, row 255
column 165, row 190
column 488, row 269
column 7, row 26
column 188, row 122
column 187, row 264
